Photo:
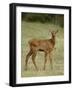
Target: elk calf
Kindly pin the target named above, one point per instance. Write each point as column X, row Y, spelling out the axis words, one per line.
column 45, row 46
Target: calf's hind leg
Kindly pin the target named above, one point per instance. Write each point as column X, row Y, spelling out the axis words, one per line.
column 27, row 58
column 33, row 59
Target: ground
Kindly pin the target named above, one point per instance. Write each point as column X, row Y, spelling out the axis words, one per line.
column 36, row 30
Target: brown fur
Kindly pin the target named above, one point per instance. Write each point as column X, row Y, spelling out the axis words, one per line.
column 45, row 46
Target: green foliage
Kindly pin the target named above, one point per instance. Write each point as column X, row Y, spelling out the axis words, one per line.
column 56, row 19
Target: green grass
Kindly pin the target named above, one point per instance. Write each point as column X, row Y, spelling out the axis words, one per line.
column 41, row 31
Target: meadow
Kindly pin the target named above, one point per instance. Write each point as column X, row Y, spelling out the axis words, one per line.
column 37, row 30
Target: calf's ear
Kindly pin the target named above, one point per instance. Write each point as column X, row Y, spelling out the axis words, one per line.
column 56, row 32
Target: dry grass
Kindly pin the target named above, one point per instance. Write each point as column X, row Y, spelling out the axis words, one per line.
column 41, row 31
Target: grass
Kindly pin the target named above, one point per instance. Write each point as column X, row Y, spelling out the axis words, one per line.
column 41, row 31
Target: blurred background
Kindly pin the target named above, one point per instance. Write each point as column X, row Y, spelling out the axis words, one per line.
column 56, row 19
column 38, row 26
